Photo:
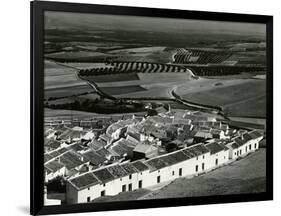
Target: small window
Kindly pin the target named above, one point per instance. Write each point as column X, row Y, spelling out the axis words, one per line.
column 196, row 158
column 203, row 156
column 140, row 183
column 255, row 145
column 89, row 188
column 102, row 193
column 234, row 153
column 120, row 179
column 141, row 173
column 104, row 185
column 217, row 162
column 246, row 149
column 180, row 171
column 88, row 199
column 240, row 152
column 159, row 171
column 196, row 168
column 203, row 166
column 130, row 176
column 173, row 173
column 250, row 147
column 158, row 179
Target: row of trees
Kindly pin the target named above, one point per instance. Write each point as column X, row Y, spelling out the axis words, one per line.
column 100, row 106
column 129, row 67
column 200, row 57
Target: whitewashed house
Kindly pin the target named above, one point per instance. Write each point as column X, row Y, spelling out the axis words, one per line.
column 190, row 161
column 244, row 144
column 219, row 155
column 54, row 169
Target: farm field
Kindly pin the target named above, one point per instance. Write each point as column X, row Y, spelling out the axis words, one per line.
column 238, row 97
column 123, row 90
column 253, row 107
column 250, row 57
column 62, row 81
column 85, row 65
column 155, row 84
column 151, row 80
column 113, row 78
column 70, row 114
column 68, row 91
column 261, row 121
column 74, row 54
column 247, row 125
column 58, row 75
column 65, row 114
column 139, row 50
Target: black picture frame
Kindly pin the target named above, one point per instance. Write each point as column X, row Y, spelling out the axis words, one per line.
column 36, row 112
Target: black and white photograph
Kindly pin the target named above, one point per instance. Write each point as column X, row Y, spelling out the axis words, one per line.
column 143, row 108
column 138, row 107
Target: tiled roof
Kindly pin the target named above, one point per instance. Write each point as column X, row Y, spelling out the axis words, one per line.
column 103, row 175
column 117, row 171
column 215, row 147
column 103, row 152
column 84, row 181
column 52, row 143
column 130, row 169
column 240, row 141
column 69, row 133
column 174, row 158
column 47, row 157
column 247, row 137
column 255, row 134
column 140, row 166
column 123, row 147
column 62, row 150
column 76, row 147
column 54, row 166
column 54, row 153
column 198, row 150
column 144, row 148
column 156, row 163
column 234, row 145
column 95, row 144
column 93, row 157
column 70, row 160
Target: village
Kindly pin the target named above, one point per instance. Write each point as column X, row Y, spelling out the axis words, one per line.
column 107, row 155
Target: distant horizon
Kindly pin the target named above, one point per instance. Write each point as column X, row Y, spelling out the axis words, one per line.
column 92, row 22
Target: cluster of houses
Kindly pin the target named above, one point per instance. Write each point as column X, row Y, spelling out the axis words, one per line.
column 133, row 153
